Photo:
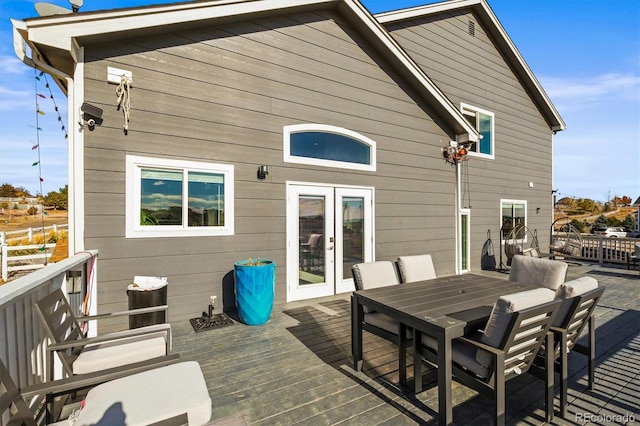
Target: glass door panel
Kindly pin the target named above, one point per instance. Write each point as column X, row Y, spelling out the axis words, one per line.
column 310, row 224
column 312, row 215
column 354, row 230
column 352, row 233
column 464, row 247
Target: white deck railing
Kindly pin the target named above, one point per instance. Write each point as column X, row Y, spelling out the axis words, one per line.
column 22, row 339
column 606, row 250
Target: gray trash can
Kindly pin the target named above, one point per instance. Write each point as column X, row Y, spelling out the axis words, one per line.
column 146, row 292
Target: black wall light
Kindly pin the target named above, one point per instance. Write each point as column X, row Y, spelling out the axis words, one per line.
column 263, row 171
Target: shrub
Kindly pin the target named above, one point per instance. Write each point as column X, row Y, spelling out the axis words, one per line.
column 578, row 225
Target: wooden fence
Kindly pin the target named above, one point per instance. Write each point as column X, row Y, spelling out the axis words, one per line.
column 25, row 257
column 7, row 236
column 37, row 257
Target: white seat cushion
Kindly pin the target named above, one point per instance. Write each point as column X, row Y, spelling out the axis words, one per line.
column 500, row 317
column 375, row 274
column 116, row 353
column 416, row 268
column 370, row 275
column 567, row 292
column 149, row 397
column 538, row 271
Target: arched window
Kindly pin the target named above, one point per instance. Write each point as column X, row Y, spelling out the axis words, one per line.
column 329, row 146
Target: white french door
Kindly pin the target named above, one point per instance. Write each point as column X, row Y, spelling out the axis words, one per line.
column 329, row 229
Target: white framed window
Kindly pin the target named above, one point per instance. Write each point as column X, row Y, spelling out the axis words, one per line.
column 484, row 123
column 329, row 146
column 176, row 198
column 514, row 215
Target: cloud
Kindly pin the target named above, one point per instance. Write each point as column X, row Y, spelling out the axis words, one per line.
column 15, row 100
column 12, row 65
column 604, row 87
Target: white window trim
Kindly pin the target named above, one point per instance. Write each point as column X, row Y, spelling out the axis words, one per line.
column 297, row 128
column 526, row 215
column 471, row 108
column 134, row 164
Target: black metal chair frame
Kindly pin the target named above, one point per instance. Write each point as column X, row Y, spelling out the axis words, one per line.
column 513, row 346
column 566, row 336
column 400, row 340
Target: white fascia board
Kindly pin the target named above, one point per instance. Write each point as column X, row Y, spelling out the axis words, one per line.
column 412, row 12
column 383, row 35
column 57, row 30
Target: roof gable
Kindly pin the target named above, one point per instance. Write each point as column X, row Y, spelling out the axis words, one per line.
column 55, row 40
column 496, row 32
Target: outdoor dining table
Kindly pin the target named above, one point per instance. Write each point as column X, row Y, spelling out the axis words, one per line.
column 443, row 308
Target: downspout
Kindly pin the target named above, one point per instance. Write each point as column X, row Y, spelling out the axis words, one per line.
column 458, row 231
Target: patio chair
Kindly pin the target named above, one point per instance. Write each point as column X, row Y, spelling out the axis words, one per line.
column 382, row 274
column 12, row 404
column 416, row 268
column 566, row 241
column 579, row 299
column 311, row 251
column 178, row 395
column 633, row 259
column 486, row 360
column 538, row 271
column 81, row 355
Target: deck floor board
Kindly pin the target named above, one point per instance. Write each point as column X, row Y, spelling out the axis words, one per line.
column 297, row 369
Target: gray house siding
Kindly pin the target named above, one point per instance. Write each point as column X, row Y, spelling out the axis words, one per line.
column 222, row 95
column 469, row 69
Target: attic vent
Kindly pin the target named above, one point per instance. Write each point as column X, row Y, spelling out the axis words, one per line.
column 472, row 28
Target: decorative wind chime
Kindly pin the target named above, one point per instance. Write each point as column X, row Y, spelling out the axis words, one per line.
column 36, row 146
column 454, row 153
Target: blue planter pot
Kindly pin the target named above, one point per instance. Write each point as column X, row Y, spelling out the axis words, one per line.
column 255, row 290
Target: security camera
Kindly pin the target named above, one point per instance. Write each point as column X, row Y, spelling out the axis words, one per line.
column 91, row 110
column 91, row 122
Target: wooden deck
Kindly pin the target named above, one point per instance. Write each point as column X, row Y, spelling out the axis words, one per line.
column 297, row 369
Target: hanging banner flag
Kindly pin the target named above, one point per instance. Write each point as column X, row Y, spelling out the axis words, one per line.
column 36, row 163
column 41, row 112
column 42, row 96
column 34, row 147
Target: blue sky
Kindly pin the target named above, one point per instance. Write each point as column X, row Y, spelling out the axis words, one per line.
column 585, row 53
